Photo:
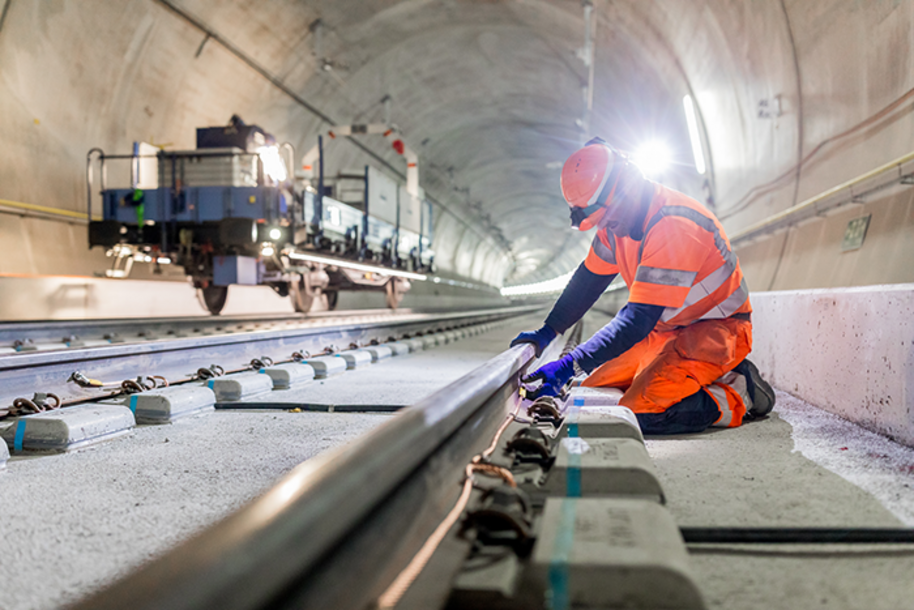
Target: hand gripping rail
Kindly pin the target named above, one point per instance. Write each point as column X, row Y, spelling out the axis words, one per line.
column 336, row 530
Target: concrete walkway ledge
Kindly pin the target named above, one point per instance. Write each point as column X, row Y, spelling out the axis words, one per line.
column 849, row 351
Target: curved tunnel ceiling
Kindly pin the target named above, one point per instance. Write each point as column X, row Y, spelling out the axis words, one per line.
column 490, row 94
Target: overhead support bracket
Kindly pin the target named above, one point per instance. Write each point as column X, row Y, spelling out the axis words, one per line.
column 388, row 131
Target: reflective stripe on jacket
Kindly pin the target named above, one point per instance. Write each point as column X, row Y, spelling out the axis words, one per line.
column 683, row 263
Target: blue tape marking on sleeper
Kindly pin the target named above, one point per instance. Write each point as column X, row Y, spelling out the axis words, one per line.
column 571, row 416
column 20, row 435
column 579, row 401
column 211, row 383
column 573, row 482
column 133, row 401
column 558, row 565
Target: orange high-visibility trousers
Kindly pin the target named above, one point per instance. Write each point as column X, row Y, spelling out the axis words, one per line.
column 668, row 366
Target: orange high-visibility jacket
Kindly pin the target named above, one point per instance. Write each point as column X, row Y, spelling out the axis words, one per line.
column 683, row 263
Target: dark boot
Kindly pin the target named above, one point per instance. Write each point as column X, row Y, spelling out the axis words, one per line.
column 761, row 393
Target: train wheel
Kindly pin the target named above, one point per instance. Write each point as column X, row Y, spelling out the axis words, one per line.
column 332, row 297
column 298, row 292
column 214, row 298
column 394, row 291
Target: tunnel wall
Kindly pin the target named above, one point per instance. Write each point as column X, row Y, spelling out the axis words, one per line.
column 78, row 74
column 832, row 67
column 849, row 351
column 95, row 73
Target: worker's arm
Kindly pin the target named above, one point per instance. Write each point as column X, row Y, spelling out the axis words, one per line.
column 632, row 324
column 582, row 291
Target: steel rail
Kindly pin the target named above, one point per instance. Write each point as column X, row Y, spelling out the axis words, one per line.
column 336, row 530
column 23, row 374
column 57, row 330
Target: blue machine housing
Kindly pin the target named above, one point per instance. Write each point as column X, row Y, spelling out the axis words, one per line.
column 195, row 204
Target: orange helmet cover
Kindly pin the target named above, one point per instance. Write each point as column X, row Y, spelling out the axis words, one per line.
column 584, row 176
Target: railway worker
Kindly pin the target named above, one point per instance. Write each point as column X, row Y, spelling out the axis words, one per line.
column 678, row 347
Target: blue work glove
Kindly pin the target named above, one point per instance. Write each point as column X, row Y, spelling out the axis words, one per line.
column 539, row 338
column 554, row 376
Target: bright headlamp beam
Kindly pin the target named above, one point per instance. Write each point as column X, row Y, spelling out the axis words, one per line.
column 692, row 121
column 357, row 266
column 273, row 164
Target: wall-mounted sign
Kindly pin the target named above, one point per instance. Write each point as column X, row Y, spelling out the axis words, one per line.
column 855, row 233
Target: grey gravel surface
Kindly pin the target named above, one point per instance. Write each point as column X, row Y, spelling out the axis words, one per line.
column 76, row 521
column 402, row 380
column 871, row 461
column 759, row 475
column 800, row 467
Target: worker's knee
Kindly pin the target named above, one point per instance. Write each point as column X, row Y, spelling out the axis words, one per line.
column 694, row 413
column 656, row 391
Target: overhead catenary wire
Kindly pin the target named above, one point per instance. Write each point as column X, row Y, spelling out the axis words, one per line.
column 6, row 8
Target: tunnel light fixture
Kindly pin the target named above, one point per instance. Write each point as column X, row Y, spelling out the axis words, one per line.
column 275, row 233
column 312, row 258
column 694, row 136
column 267, row 250
column 652, row 158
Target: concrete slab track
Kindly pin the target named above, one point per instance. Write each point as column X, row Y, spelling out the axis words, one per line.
column 79, row 520
column 76, row 521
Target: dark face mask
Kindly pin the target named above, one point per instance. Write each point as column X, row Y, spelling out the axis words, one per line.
column 579, row 215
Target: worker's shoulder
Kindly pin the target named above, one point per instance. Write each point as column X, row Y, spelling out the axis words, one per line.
column 676, row 208
column 672, row 198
